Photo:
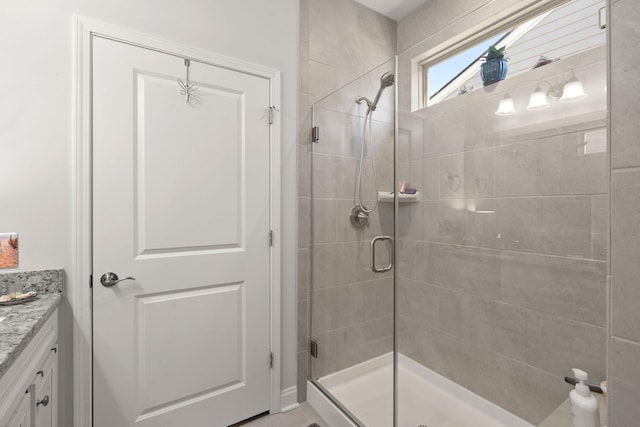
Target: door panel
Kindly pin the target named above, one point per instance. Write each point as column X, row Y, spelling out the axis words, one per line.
column 181, row 204
column 215, row 312
column 206, row 136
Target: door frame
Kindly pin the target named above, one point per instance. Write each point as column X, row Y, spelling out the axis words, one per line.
column 80, row 293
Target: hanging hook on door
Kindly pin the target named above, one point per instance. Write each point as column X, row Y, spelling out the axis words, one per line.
column 188, row 89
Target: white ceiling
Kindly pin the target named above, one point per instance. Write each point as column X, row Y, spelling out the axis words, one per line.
column 394, row 9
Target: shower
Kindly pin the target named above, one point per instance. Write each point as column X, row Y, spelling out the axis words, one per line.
column 453, row 303
column 386, row 80
column 359, row 212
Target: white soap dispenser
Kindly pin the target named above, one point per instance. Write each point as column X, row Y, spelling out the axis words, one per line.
column 584, row 406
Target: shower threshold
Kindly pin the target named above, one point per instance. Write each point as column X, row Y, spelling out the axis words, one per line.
column 425, row 397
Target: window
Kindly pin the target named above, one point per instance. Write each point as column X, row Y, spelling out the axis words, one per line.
column 554, row 34
column 442, row 77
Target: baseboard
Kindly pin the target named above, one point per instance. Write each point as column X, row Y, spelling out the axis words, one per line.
column 289, row 399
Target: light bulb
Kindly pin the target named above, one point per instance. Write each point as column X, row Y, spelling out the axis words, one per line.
column 572, row 91
column 505, row 107
column 538, row 100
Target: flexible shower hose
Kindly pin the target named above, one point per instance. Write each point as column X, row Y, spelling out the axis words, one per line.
column 358, row 188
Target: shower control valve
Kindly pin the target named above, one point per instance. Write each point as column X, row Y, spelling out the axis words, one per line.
column 359, row 217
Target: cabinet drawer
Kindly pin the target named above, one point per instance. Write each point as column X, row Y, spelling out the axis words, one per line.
column 46, row 395
column 21, row 415
column 44, row 366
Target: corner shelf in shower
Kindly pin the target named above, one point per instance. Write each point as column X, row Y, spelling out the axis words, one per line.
column 387, row 197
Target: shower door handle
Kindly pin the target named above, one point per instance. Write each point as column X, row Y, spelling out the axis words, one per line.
column 373, row 254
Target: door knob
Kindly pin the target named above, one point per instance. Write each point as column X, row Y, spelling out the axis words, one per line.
column 43, row 402
column 110, row 279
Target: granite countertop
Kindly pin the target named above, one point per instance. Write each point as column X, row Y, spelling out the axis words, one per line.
column 23, row 321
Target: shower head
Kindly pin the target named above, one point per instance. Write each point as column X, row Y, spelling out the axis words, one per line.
column 386, row 80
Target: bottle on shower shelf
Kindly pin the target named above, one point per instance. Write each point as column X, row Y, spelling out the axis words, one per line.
column 584, row 405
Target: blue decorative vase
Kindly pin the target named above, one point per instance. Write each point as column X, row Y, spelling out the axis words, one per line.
column 493, row 71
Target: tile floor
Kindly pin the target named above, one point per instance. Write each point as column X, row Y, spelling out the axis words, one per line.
column 299, row 417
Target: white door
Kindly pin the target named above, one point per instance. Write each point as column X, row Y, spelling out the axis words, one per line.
column 180, row 203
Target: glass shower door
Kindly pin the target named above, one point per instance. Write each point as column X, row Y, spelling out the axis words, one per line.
column 351, row 247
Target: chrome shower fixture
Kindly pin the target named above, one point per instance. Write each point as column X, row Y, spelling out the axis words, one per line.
column 360, row 213
column 359, row 217
column 387, row 79
column 360, row 99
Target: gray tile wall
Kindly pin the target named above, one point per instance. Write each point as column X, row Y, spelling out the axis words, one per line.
column 340, row 40
column 624, row 359
column 503, row 264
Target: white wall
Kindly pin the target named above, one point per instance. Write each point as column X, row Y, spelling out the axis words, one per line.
column 36, row 116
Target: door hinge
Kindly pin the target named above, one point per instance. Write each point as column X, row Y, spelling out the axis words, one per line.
column 314, row 349
column 315, row 134
column 271, row 359
column 272, row 111
column 91, row 282
column 270, row 237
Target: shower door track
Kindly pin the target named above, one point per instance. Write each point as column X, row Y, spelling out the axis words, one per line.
column 337, row 403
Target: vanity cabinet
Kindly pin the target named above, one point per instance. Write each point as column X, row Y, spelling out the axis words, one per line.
column 29, row 389
column 45, row 396
column 21, row 415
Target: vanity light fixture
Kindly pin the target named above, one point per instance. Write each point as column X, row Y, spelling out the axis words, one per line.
column 573, row 91
column 538, row 100
column 506, row 106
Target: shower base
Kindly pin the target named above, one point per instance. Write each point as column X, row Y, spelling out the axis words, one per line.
column 425, row 398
